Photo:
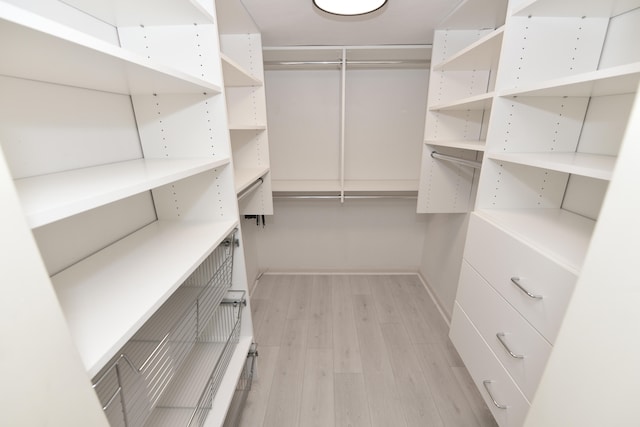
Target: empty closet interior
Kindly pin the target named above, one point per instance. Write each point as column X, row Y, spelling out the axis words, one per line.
column 159, row 159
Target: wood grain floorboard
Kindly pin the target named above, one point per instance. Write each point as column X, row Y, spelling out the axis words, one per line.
column 349, row 350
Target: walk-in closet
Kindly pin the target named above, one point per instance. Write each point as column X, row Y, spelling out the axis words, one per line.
column 226, row 213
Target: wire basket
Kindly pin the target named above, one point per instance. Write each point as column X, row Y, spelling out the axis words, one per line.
column 234, row 414
column 137, row 380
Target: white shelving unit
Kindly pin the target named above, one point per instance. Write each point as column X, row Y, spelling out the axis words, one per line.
column 560, row 99
column 461, row 91
column 119, row 147
column 241, row 47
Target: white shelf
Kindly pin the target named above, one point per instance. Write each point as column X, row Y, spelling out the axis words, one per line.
column 465, row 145
column 563, row 235
column 39, row 49
column 481, row 55
column 237, row 127
column 477, row 102
column 244, row 177
column 609, row 81
column 381, row 185
column 235, row 75
column 48, row 198
column 584, row 164
column 476, row 14
column 107, row 297
column 576, row 8
column 305, row 186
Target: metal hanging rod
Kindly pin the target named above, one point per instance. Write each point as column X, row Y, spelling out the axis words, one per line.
column 355, row 62
column 471, row 163
column 257, row 183
column 337, row 197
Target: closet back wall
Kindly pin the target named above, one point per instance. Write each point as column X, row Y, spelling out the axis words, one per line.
column 384, row 123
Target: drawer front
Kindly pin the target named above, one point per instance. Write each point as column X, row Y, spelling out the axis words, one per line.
column 506, row 262
column 520, row 348
column 489, row 376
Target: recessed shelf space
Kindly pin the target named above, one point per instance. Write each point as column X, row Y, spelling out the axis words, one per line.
column 477, row 102
column 48, row 198
column 481, row 55
column 381, row 186
column 562, row 234
column 584, row 164
column 575, row 8
column 610, row 81
column 235, row 75
column 39, row 49
column 465, row 145
column 108, row 296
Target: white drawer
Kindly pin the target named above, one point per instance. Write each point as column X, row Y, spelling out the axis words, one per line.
column 493, row 381
column 502, row 259
column 525, row 352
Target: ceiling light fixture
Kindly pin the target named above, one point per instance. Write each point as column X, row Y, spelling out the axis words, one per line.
column 349, row 7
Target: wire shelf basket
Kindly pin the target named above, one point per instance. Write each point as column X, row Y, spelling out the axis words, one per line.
column 243, row 387
column 197, row 322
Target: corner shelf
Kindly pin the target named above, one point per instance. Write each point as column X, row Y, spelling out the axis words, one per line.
column 108, row 296
column 477, row 56
column 59, row 54
column 48, row 198
column 235, row 75
column 244, row 177
column 477, row 102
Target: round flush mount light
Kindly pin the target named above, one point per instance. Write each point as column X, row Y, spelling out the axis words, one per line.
column 349, row 7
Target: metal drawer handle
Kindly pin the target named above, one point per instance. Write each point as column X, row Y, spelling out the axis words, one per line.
column 500, row 336
column 486, row 383
column 516, row 281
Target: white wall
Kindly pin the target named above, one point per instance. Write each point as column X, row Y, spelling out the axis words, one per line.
column 361, row 235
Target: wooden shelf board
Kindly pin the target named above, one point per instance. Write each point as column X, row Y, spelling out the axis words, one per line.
column 465, row 145
column 584, row 164
column 237, row 127
column 477, row 102
column 481, row 55
column 609, row 81
column 244, row 177
column 108, row 296
column 576, row 8
column 235, row 75
column 39, row 49
column 48, row 198
column 561, row 234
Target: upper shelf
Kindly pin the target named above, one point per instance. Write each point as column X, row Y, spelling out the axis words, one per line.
column 609, row 81
column 465, row 145
column 576, row 8
column 476, row 14
column 481, row 55
column 39, row 49
column 235, row 75
column 49, row 198
column 122, row 13
column 107, row 297
column 477, row 102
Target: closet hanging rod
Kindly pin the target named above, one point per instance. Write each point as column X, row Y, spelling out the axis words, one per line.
column 337, row 197
column 257, row 183
column 471, row 163
column 356, row 62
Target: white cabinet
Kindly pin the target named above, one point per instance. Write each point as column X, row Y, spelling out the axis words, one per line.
column 560, row 102
column 116, row 136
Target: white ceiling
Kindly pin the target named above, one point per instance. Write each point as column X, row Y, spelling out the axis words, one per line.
column 299, row 23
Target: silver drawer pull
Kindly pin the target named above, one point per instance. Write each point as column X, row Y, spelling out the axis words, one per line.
column 516, row 281
column 486, row 383
column 500, row 336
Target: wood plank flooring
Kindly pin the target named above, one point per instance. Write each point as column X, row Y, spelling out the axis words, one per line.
column 356, row 350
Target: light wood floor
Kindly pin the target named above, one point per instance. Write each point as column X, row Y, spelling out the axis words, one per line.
column 355, row 350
